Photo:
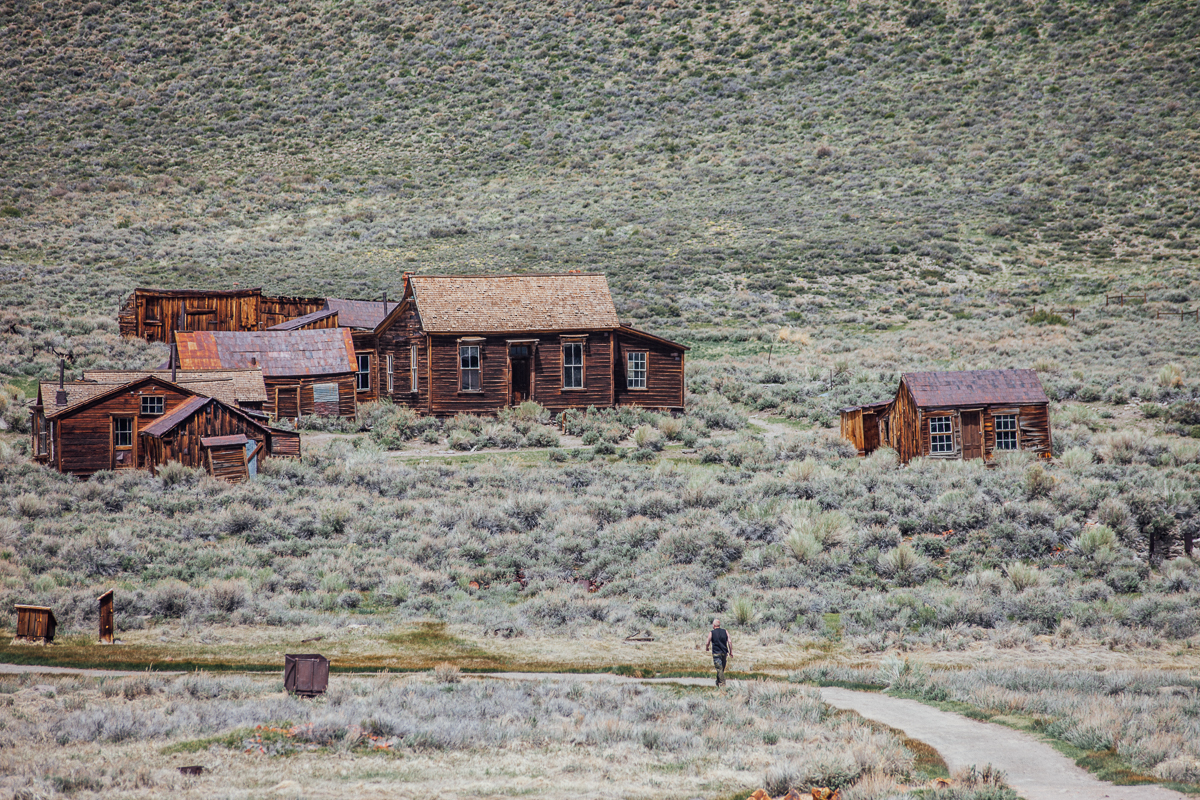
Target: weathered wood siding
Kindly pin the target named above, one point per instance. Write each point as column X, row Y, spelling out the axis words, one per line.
column 366, row 344
column 911, row 437
column 183, row 443
column 1033, row 429
column 664, row 373
column 284, row 444
column 548, row 373
column 904, row 425
column 84, row 439
column 303, row 385
column 274, row 310
column 395, row 340
column 154, row 315
column 228, row 463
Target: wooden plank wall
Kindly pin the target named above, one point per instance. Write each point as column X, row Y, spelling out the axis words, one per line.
column 228, row 463
column 395, row 340
column 157, row 316
column 852, row 428
column 284, row 444
column 664, row 374
column 905, row 426
column 183, row 444
column 84, row 443
column 347, row 404
column 274, row 310
column 1033, row 429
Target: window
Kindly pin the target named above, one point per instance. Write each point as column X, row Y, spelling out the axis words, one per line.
column 391, row 374
column 363, row 376
column 122, row 431
column 414, row 361
column 152, row 406
column 573, row 365
column 941, row 437
column 1006, row 432
column 325, row 394
column 635, row 372
column 41, row 437
column 468, row 360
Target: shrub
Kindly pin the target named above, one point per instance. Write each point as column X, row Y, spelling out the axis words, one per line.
column 1170, row 376
column 1022, row 576
column 1044, row 317
column 648, row 438
column 670, row 426
column 743, row 611
column 228, row 596
column 1093, row 538
column 804, row 547
column 903, row 565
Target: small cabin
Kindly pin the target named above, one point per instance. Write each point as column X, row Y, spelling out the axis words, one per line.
column 226, row 442
column 35, row 624
column 156, row 314
column 961, row 415
column 306, row 372
column 480, row 343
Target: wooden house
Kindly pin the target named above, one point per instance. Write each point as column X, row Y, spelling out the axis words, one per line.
column 306, row 372
column 975, row 414
column 35, row 624
column 155, row 314
column 224, row 440
column 82, row 427
column 480, row 343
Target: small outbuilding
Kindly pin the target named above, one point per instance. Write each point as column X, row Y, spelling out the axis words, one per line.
column 35, row 624
column 968, row 414
column 306, row 372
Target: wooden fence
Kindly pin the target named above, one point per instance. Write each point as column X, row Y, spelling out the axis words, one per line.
column 1120, row 299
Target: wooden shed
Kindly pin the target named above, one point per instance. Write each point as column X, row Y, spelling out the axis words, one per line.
column 35, row 624
column 156, row 314
column 478, row 344
column 225, row 441
column 82, row 427
column 306, row 372
column 971, row 414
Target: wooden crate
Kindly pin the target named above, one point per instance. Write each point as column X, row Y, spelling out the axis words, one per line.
column 305, row 675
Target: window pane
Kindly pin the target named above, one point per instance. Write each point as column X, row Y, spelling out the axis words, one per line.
column 941, row 438
column 469, row 359
column 573, row 365
column 636, row 372
column 364, row 373
column 152, row 406
column 123, row 432
column 1006, row 432
column 413, row 360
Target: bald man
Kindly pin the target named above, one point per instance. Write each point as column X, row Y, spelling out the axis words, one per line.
column 722, row 648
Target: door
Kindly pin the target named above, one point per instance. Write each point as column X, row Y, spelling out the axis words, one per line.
column 124, row 437
column 972, row 440
column 519, row 370
column 287, row 403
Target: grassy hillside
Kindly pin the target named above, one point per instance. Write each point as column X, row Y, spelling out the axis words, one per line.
column 727, row 164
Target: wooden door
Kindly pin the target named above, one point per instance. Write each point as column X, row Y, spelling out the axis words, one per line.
column 287, row 403
column 520, row 381
column 123, row 443
column 972, row 440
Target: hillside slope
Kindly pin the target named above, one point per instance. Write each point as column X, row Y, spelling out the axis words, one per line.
column 724, row 163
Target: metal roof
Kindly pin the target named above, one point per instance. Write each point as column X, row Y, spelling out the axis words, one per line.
column 222, row 441
column 177, row 415
column 278, row 353
column 366, row 314
column 513, row 303
column 975, row 387
column 307, row 319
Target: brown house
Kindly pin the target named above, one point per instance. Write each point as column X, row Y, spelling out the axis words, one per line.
column 305, row 371
column 478, row 344
column 975, row 414
column 225, row 441
column 155, row 314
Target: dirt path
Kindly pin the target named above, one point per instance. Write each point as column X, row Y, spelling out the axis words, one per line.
column 1033, row 768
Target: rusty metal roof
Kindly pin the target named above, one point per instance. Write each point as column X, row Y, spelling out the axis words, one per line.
column 975, row 387
column 300, row 322
column 230, row 386
column 175, row 416
column 278, row 353
column 224, row 441
column 513, row 303
column 366, row 314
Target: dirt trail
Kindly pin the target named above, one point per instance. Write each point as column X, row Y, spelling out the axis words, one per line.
column 1033, row 768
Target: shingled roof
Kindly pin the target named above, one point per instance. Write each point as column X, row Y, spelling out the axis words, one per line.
column 77, row 392
column 513, row 303
column 366, row 314
column 278, row 353
column 975, row 387
column 231, row 386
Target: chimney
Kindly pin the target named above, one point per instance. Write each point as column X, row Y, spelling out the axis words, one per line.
column 60, row 398
column 385, row 302
column 174, row 360
column 253, row 361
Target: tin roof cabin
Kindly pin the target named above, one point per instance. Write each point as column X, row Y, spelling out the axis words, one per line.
column 970, row 414
column 480, row 343
column 305, row 371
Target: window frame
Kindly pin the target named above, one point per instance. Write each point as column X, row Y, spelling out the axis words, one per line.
column 581, row 366
column 645, row 370
column 463, row 349
column 41, row 437
column 162, row 405
column 941, row 442
column 361, row 374
column 1015, row 430
column 390, row 366
column 414, row 368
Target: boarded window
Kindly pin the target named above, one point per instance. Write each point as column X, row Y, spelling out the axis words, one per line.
column 1006, row 432
column 635, row 371
column 468, row 356
column 941, row 436
column 573, row 365
column 363, row 376
column 325, row 399
column 152, row 406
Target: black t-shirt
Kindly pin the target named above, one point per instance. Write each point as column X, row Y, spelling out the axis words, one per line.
column 720, row 642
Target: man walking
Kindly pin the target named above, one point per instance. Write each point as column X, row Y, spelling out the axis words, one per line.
column 722, row 648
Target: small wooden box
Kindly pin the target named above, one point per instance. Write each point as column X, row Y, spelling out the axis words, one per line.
column 306, row 675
